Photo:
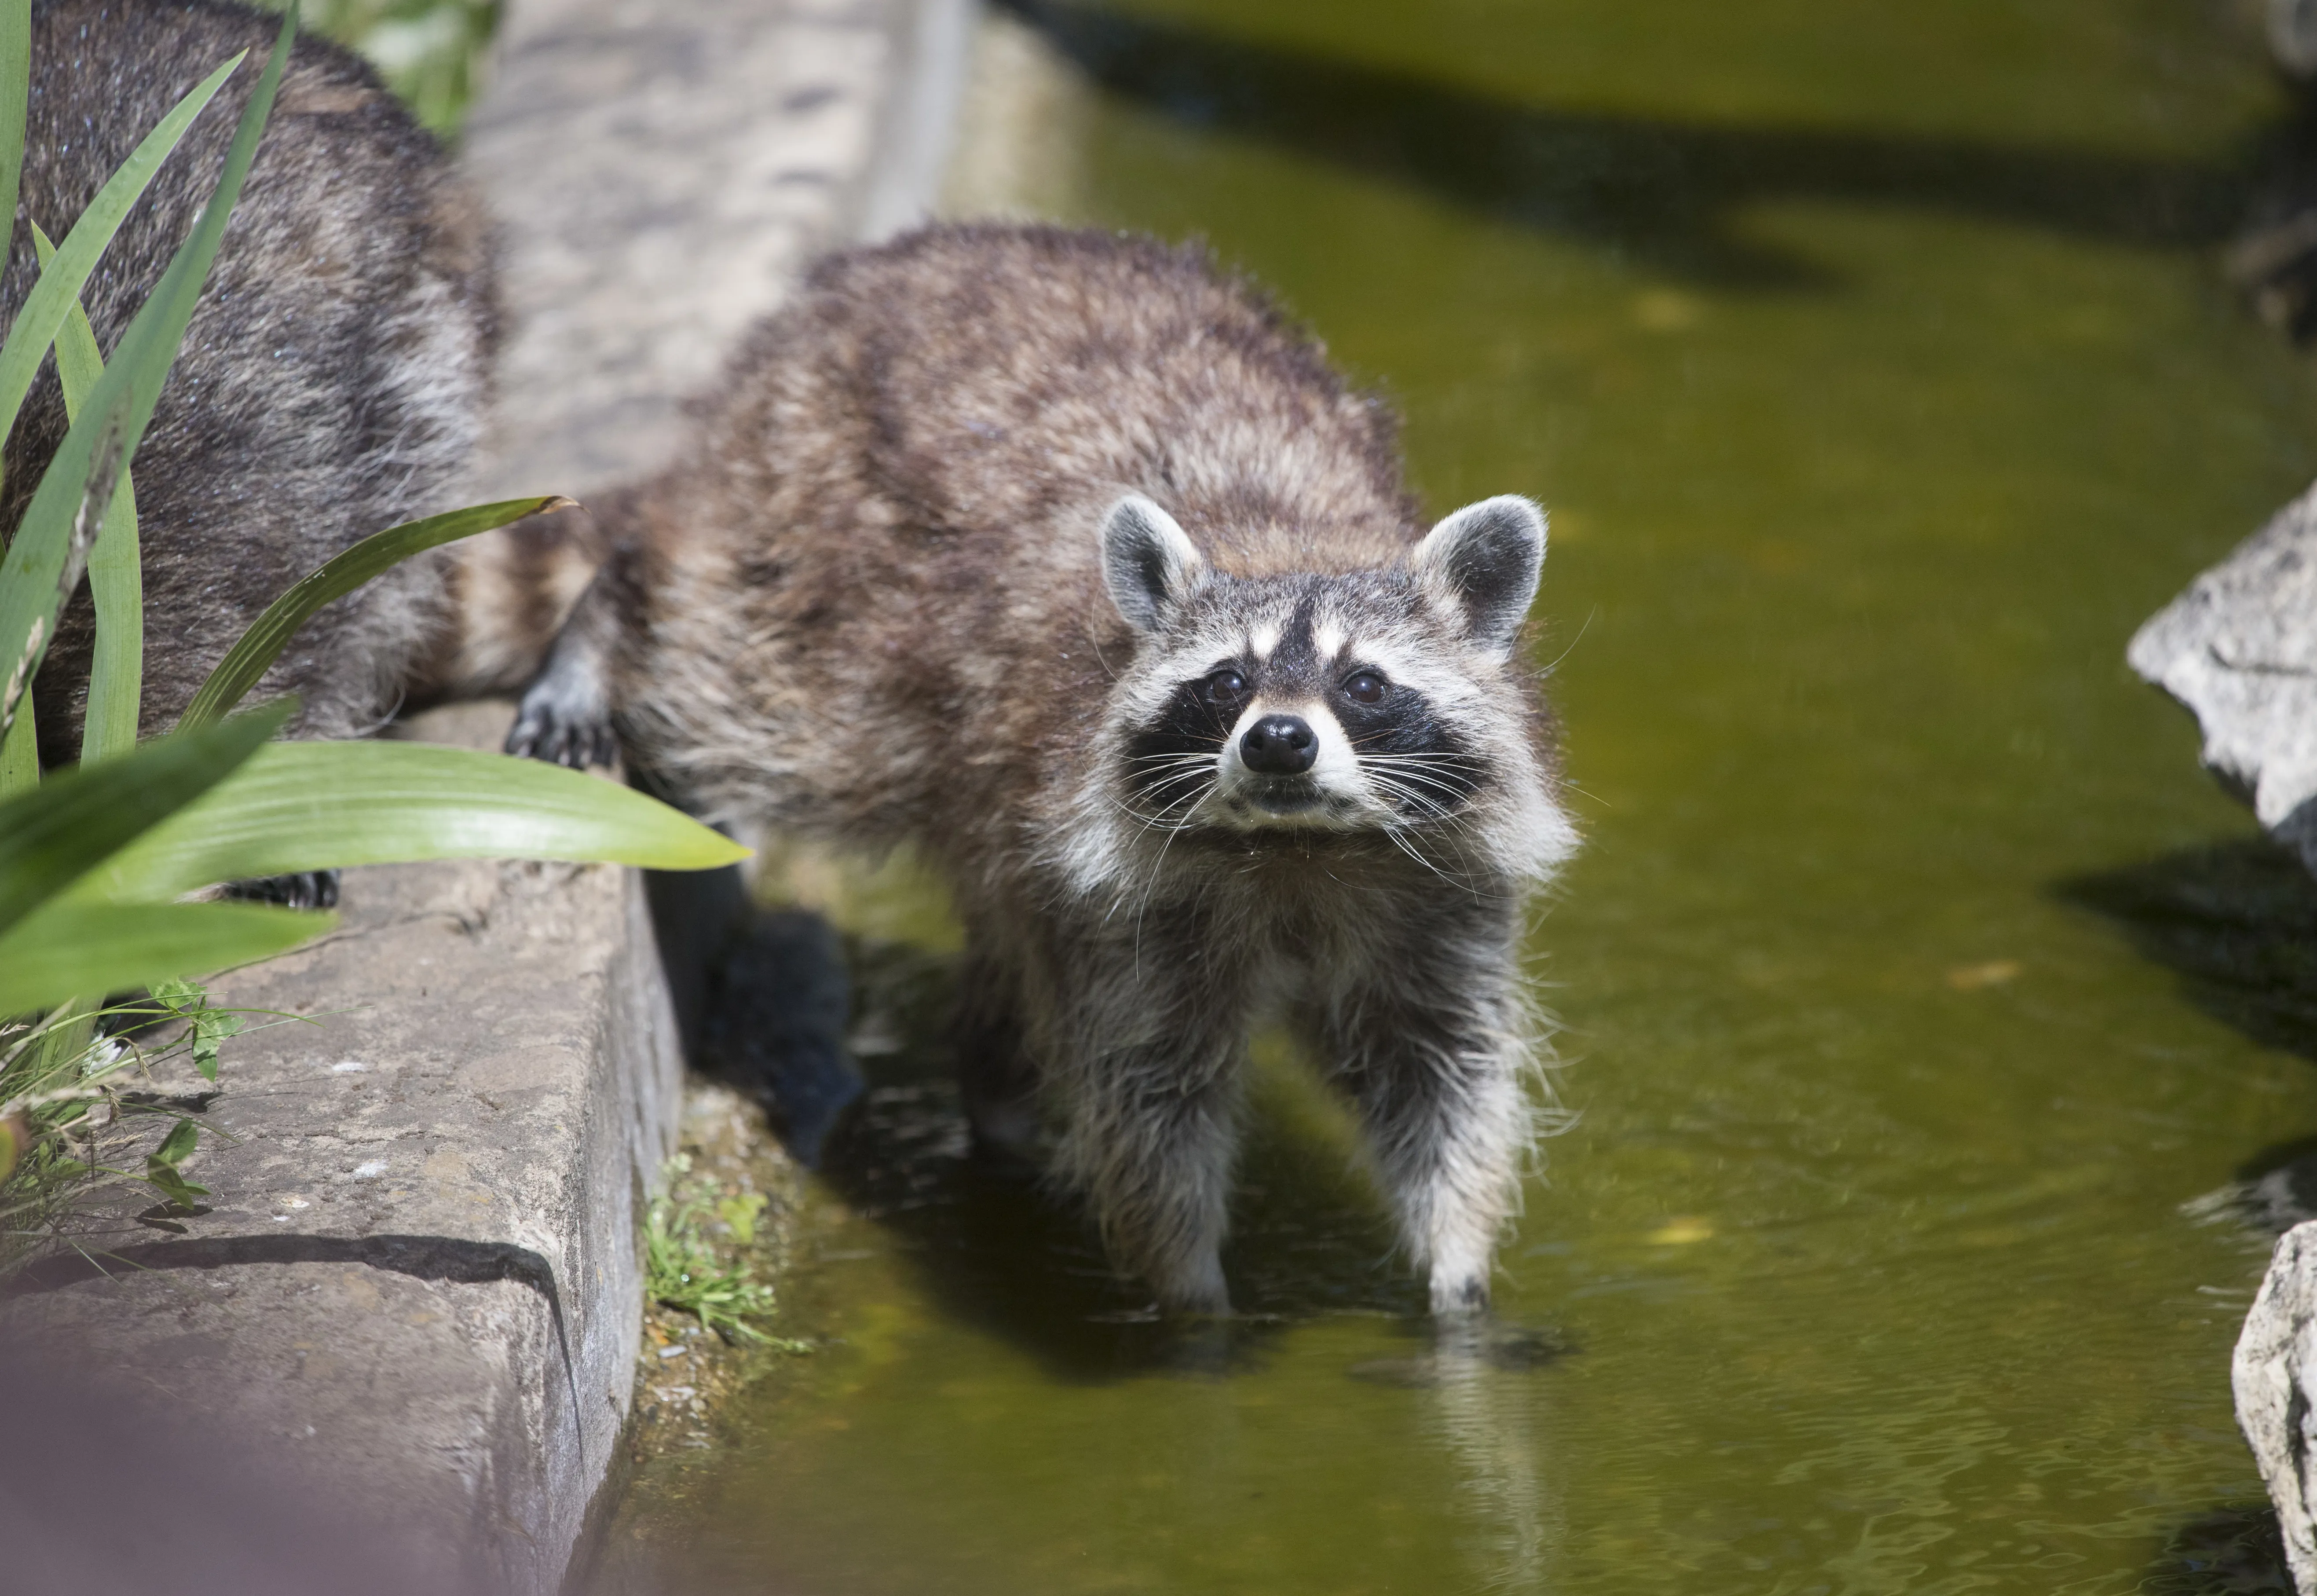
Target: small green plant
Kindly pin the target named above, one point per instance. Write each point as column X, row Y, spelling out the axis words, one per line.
column 740, row 1213
column 73, row 1106
column 95, row 861
column 682, row 1272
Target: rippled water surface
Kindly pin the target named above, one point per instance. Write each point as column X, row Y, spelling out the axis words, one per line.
column 1876, row 365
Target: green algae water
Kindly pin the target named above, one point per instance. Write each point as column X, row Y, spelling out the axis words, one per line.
column 1923, row 1005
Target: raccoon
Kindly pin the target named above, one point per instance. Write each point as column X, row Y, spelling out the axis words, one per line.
column 335, row 375
column 1064, row 557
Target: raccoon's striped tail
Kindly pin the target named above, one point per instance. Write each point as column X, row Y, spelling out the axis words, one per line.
column 509, row 592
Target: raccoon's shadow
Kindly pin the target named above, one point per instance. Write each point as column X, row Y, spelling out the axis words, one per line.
column 999, row 1250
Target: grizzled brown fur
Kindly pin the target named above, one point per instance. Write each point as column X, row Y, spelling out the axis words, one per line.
column 902, row 588
column 334, row 378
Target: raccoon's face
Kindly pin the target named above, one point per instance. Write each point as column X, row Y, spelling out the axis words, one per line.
column 1376, row 700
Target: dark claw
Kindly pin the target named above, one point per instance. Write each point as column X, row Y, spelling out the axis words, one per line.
column 545, row 729
column 306, row 889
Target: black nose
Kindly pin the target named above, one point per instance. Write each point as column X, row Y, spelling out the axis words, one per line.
column 1279, row 745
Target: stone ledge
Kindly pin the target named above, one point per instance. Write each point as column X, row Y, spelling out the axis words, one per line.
column 418, row 1274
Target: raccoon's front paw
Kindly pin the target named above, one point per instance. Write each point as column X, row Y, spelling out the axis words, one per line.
column 563, row 727
column 306, row 889
column 1459, row 1295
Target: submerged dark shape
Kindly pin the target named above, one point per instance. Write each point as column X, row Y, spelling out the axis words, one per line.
column 2236, row 921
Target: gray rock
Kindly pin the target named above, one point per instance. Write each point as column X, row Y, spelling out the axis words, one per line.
column 2276, row 1377
column 2240, row 650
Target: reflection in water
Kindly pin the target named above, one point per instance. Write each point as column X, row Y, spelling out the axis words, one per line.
column 1489, row 1417
column 2236, row 1551
column 1661, row 191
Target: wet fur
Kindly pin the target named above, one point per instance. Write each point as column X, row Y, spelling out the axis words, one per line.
column 333, row 381
column 871, row 603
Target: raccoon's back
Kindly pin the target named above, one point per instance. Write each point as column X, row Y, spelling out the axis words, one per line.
column 993, row 378
column 883, row 548
column 333, row 380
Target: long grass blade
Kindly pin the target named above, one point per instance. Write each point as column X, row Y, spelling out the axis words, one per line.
column 20, row 753
column 53, row 834
column 318, row 805
column 65, row 948
column 80, row 536
column 95, row 448
column 116, row 578
column 62, row 279
column 15, row 99
column 271, row 632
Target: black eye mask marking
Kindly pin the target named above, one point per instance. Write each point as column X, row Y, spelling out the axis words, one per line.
column 1170, row 761
column 1416, row 762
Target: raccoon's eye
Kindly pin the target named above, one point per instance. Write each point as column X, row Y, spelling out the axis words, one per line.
column 1364, row 687
column 1225, row 687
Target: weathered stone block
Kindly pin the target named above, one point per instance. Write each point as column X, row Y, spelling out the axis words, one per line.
column 417, row 1274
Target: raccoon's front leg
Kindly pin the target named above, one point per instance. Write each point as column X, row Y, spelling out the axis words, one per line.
column 1148, row 1081
column 1432, row 1042
column 566, row 714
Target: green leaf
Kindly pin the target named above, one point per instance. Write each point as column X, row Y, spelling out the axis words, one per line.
column 271, row 632
column 181, row 1141
column 116, row 578
column 15, row 98
column 36, row 574
column 165, row 1178
column 179, row 996
column 56, row 832
column 319, row 806
column 64, row 949
column 61, row 279
column 210, row 1026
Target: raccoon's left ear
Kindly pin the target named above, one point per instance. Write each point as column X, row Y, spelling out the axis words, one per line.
column 1487, row 556
column 1147, row 561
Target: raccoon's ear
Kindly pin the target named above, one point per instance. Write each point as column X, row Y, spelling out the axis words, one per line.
column 1487, row 556
column 1147, row 561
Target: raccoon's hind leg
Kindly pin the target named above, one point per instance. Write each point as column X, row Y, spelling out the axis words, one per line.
column 995, row 1073
column 1431, row 1042
column 566, row 714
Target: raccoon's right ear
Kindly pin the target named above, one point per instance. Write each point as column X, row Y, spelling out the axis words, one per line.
column 1147, row 561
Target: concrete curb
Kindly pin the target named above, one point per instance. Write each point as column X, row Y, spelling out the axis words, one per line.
column 418, row 1287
